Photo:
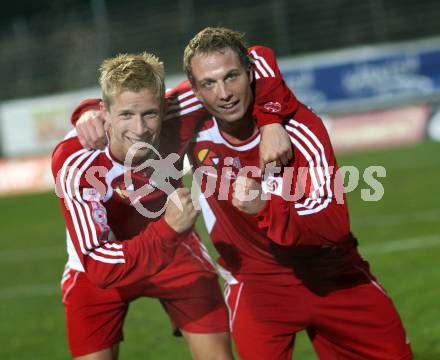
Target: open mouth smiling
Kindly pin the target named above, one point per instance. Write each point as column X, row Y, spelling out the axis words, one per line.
column 230, row 105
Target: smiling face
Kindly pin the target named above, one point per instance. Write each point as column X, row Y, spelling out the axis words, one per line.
column 134, row 117
column 223, row 84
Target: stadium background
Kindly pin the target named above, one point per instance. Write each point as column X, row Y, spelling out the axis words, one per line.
column 50, row 50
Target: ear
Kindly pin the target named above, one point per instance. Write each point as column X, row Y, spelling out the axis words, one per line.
column 105, row 112
column 196, row 92
column 251, row 76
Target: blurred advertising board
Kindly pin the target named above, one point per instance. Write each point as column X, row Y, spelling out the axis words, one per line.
column 433, row 130
column 25, row 175
column 378, row 129
column 363, row 78
column 36, row 125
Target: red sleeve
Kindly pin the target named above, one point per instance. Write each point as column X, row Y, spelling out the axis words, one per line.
column 84, row 106
column 184, row 113
column 306, row 207
column 273, row 99
column 107, row 263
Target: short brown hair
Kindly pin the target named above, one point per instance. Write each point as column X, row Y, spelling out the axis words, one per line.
column 213, row 39
column 131, row 72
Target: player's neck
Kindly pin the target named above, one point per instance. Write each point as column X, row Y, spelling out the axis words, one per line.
column 238, row 131
column 117, row 152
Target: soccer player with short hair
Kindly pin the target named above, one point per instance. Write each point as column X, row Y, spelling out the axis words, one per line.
column 291, row 264
column 116, row 254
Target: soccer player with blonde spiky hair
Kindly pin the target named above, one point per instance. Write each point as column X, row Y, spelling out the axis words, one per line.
column 116, row 252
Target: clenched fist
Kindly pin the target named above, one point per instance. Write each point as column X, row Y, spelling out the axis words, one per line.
column 246, row 195
column 275, row 146
column 180, row 213
column 91, row 128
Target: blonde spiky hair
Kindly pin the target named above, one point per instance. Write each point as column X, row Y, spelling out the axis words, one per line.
column 133, row 73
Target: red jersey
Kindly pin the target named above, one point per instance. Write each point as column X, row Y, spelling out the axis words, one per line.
column 98, row 204
column 311, row 226
column 284, row 231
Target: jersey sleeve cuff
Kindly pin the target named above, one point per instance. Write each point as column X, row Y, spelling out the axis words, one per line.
column 166, row 232
column 268, row 118
column 89, row 104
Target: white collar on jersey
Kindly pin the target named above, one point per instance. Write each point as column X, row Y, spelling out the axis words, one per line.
column 214, row 135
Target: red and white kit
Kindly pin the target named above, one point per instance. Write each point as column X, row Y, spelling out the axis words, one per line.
column 295, row 265
column 116, row 254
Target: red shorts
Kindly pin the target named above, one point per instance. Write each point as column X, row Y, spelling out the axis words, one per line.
column 187, row 288
column 357, row 322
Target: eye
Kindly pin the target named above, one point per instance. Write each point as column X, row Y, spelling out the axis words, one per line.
column 150, row 115
column 208, row 84
column 125, row 115
column 231, row 76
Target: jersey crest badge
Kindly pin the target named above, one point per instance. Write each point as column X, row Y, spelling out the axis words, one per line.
column 123, row 190
column 273, row 106
column 272, row 185
column 208, row 157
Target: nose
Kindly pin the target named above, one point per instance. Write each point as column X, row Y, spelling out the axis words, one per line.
column 224, row 92
column 139, row 126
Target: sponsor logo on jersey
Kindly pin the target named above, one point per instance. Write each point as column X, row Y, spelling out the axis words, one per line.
column 208, row 157
column 100, row 214
column 273, row 106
